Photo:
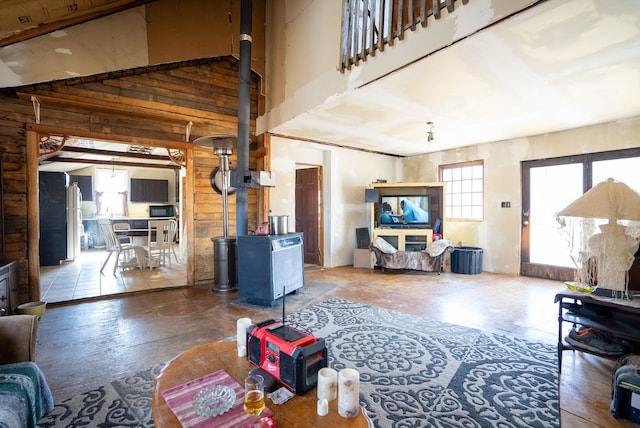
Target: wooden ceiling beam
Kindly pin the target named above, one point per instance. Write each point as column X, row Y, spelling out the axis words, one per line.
column 102, row 162
column 133, row 107
column 112, row 153
column 142, row 141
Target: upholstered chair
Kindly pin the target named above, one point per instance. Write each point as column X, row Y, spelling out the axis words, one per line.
column 18, row 337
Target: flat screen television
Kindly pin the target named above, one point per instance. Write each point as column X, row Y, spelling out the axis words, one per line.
column 416, row 213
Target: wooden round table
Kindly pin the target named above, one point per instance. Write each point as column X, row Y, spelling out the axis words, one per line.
column 300, row 411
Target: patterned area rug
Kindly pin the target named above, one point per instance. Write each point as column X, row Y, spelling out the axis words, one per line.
column 417, row 372
column 414, row 372
column 121, row 403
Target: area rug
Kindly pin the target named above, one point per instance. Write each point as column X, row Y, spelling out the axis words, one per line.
column 121, row 403
column 414, row 372
column 418, row 372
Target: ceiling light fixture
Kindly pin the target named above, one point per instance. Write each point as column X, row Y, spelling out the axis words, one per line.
column 430, row 135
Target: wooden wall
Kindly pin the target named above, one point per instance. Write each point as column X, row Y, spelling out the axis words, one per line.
column 150, row 105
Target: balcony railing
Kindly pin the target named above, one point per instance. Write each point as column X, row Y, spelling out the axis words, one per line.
column 369, row 25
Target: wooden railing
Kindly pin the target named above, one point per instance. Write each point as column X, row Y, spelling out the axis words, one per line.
column 369, row 25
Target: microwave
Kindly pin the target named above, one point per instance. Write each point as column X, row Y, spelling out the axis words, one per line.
column 161, row 211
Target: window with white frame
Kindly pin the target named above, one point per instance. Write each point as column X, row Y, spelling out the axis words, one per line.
column 111, row 192
column 464, row 190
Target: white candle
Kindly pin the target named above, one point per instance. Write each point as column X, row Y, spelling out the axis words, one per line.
column 327, row 384
column 323, row 407
column 241, row 334
column 242, row 351
column 348, row 393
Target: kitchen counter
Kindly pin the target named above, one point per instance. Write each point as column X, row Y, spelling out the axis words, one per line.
column 93, row 238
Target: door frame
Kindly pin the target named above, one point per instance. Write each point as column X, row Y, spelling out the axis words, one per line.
column 548, row 271
column 33, row 137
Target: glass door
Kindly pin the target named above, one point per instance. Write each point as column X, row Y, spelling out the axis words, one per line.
column 548, row 186
column 624, row 170
column 551, row 187
column 547, row 198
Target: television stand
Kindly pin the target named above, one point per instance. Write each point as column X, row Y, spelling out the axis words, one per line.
column 405, row 239
column 408, row 236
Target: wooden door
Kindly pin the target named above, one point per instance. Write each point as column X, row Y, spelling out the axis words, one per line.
column 308, row 212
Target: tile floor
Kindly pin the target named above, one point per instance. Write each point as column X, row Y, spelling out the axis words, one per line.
column 81, row 279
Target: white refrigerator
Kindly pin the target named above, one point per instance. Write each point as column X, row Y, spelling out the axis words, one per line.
column 74, row 221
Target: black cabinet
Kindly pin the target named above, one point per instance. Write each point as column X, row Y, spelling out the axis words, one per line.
column 614, row 316
column 8, row 287
column 53, row 217
column 85, row 184
column 148, row 190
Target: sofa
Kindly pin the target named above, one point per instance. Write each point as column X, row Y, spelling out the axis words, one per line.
column 432, row 259
column 24, row 394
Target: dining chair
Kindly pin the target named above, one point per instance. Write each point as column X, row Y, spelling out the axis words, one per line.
column 172, row 239
column 120, row 249
column 122, row 227
column 159, row 240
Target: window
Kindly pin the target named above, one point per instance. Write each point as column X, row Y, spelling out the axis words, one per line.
column 464, row 190
column 111, row 192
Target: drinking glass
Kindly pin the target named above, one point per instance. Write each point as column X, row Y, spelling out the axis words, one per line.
column 254, row 394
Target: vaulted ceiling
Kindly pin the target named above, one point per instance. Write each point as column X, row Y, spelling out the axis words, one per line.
column 24, row 19
column 562, row 64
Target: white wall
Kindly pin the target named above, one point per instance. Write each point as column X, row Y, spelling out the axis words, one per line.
column 136, row 209
column 499, row 233
column 345, row 173
column 302, row 73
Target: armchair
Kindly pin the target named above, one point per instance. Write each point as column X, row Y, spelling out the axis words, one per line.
column 18, row 337
column 24, row 393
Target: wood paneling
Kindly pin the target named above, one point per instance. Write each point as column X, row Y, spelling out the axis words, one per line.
column 151, row 104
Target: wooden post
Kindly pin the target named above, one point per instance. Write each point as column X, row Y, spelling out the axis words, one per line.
column 33, row 216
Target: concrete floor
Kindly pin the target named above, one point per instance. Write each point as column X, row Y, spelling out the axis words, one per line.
column 84, row 345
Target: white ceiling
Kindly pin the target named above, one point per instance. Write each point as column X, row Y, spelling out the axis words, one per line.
column 562, row 64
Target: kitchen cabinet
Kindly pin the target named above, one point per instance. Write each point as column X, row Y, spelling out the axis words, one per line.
column 53, row 219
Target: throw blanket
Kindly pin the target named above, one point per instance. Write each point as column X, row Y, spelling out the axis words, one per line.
column 24, row 395
column 429, row 260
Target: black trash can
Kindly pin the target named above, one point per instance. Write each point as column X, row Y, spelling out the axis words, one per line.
column 467, row 260
column 224, row 264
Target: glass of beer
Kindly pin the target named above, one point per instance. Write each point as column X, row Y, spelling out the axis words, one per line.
column 254, row 394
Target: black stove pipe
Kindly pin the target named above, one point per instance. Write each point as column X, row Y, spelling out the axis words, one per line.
column 244, row 113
